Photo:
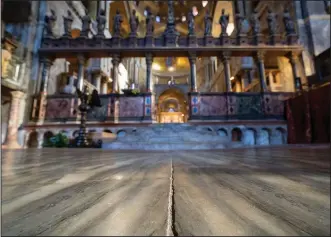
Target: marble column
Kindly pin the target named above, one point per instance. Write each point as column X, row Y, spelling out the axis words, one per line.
column 26, row 139
column 193, row 71
column 40, row 138
column 149, row 62
column 116, row 62
column 47, row 63
column 97, row 81
column 136, row 72
column 11, row 140
column 81, row 64
column 260, row 63
column 225, row 57
column 294, row 61
column 104, row 87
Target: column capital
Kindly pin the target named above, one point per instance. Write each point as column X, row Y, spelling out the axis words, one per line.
column 17, row 94
column 293, row 57
column 225, row 56
column 149, row 58
column 81, row 59
column 260, row 55
column 116, row 59
column 47, row 61
column 192, row 57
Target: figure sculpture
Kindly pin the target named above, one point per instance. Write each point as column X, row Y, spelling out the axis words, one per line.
column 149, row 23
column 134, row 22
column 208, row 24
column 117, row 23
column 67, row 21
column 86, row 22
column 255, row 23
column 224, row 22
column 50, row 22
column 101, row 20
column 288, row 22
column 239, row 22
column 191, row 25
column 272, row 23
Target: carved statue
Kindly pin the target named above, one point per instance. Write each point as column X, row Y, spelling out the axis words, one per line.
column 224, row 21
column 86, row 22
column 239, row 22
column 134, row 22
column 288, row 22
column 117, row 23
column 255, row 22
column 149, row 23
column 272, row 22
column 101, row 20
column 191, row 25
column 50, row 22
column 67, row 21
column 208, row 24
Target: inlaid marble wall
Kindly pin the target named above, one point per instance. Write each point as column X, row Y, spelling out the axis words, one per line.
column 131, row 106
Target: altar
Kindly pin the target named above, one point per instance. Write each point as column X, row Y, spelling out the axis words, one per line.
column 171, row 117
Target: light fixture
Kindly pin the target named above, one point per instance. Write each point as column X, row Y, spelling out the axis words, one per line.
column 156, row 67
column 157, row 18
column 204, row 3
column 231, row 78
column 195, row 11
column 145, row 13
column 183, row 18
column 171, row 69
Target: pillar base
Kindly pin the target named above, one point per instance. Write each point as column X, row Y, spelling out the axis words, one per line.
column 208, row 40
column 192, row 40
column 11, row 145
column 149, row 40
column 241, row 39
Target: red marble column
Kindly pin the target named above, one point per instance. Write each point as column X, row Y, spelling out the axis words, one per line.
column 11, row 139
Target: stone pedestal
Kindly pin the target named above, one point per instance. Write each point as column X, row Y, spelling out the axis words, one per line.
column 291, row 39
column 258, row 39
column 224, row 39
column 132, row 40
column 274, row 39
column 149, row 40
column 192, row 40
column 170, row 39
column 241, row 39
column 11, row 141
column 208, row 40
column 116, row 41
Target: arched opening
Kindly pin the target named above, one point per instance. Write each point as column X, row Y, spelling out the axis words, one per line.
column 48, row 135
column 249, row 137
column 279, row 136
column 107, row 131
column 236, row 135
column 33, row 140
column 121, row 133
column 263, row 137
column 172, row 107
column 222, row 132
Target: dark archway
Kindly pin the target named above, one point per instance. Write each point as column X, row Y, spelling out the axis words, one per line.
column 172, row 106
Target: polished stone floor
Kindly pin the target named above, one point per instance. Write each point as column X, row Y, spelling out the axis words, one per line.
column 265, row 191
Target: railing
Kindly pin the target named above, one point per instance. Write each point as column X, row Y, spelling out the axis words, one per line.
column 204, row 106
column 243, row 106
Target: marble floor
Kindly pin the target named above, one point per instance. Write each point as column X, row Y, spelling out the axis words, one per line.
column 263, row 191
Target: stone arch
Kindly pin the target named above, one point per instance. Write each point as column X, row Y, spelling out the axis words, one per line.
column 121, row 133
column 279, row 136
column 249, row 137
column 107, row 131
column 48, row 135
column 75, row 133
column 33, row 140
column 171, row 100
column 236, row 135
column 263, row 137
column 222, row 132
